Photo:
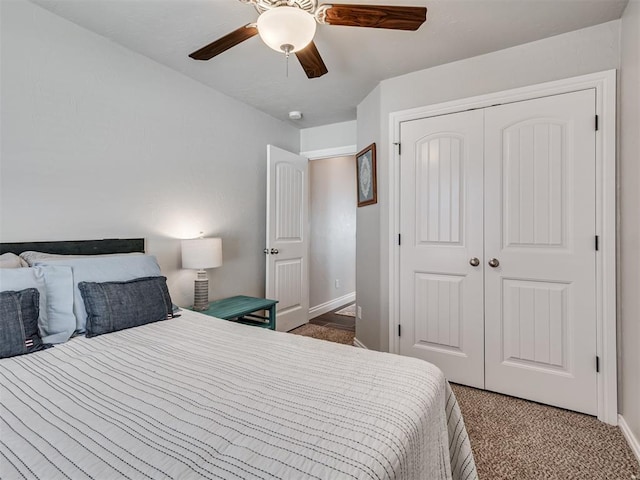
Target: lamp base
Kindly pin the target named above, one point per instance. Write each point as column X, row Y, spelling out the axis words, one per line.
column 201, row 292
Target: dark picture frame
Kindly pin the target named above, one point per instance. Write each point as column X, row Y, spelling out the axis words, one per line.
column 367, row 176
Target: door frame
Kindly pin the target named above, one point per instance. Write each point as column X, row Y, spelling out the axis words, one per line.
column 605, row 85
column 343, row 151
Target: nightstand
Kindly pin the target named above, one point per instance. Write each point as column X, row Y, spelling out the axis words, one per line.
column 241, row 309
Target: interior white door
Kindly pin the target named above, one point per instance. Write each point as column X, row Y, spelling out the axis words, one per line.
column 540, row 323
column 287, row 250
column 441, row 252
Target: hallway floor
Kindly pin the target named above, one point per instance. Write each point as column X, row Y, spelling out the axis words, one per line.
column 331, row 320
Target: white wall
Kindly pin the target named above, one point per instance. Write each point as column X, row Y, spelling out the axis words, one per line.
column 629, row 215
column 100, row 142
column 332, row 136
column 332, row 213
column 584, row 51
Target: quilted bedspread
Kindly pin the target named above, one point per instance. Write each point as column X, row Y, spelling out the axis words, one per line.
column 198, row 397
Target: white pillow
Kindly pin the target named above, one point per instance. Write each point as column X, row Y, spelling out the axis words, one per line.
column 101, row 268
column 56, row 320
column 11, row 260
column 31, row 257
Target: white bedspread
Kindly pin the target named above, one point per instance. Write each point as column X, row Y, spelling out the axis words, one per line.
column 197, row 397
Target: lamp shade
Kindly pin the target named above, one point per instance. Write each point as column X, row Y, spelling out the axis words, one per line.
column 201, row 253
column 286, row 29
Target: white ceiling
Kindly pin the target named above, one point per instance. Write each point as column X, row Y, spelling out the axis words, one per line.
column 357, row 58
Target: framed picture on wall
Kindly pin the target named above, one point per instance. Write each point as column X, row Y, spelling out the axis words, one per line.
column 367, row 176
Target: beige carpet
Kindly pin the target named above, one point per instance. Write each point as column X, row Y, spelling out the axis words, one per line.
column 519, row 440
column 325, row 333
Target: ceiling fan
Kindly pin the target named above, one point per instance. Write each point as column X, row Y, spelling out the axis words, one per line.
column 289, row 26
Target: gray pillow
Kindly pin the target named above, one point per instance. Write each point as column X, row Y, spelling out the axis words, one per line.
column 19, row 322
column 113, row 306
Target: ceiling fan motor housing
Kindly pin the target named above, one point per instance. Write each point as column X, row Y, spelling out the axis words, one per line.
column 286, row 29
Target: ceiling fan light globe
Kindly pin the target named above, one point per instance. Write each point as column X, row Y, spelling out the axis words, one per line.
column 286, row 26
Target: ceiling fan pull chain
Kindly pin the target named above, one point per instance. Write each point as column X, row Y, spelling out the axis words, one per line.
column 287, row 49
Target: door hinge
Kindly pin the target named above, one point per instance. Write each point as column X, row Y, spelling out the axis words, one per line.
column 597, row 243
column 399, row 330
column 597, row 364
column 399, row 239
column 596, row 123
column 399, row 147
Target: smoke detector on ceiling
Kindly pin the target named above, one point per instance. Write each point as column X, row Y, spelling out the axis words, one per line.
column 295, row 115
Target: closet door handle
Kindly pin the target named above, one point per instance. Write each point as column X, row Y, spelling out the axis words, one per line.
column 274, row 251
column 494, row 262
column 474, row 262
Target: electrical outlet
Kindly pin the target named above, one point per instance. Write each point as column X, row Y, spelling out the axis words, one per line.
column 337, row 283
column 359, row 312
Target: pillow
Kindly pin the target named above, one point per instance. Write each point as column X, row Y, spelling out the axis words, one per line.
column 104, row 269
column 113, row 306
column 56, row 321
column 19, row 322
column 11, row 260
column 31, row 258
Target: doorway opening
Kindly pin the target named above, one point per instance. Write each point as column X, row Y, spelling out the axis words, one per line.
column 332, row 258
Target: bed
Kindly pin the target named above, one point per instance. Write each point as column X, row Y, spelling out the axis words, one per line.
column 199, row 397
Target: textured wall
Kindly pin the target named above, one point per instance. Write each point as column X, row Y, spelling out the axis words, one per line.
column 369, row 328
column 332, row 215
column 334, row 135
column 100, row 142
column 583, row 51
column 629, row 213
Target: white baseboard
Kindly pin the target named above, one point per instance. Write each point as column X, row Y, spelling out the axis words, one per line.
column 631, row 438
column 331, row 305
column 359, row 344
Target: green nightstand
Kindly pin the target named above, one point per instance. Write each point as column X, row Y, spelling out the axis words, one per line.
column 241, row 309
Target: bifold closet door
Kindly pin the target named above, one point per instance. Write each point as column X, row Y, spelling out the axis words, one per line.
column 441, row 256
column 540, row 264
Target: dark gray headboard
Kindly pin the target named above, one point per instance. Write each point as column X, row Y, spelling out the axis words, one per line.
column 78, row 247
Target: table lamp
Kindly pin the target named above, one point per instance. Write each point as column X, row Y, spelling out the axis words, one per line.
column 200, row 254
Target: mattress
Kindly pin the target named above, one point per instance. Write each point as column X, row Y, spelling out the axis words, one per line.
column 199, row 397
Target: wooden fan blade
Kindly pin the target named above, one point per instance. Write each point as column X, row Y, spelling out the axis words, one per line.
column 376, row 16
column 225, row 43
column 311, row 61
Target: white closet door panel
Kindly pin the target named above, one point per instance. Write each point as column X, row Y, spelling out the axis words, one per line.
column 441, row 294
column 540, row 224
column 289, row 190
column 534, row 168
